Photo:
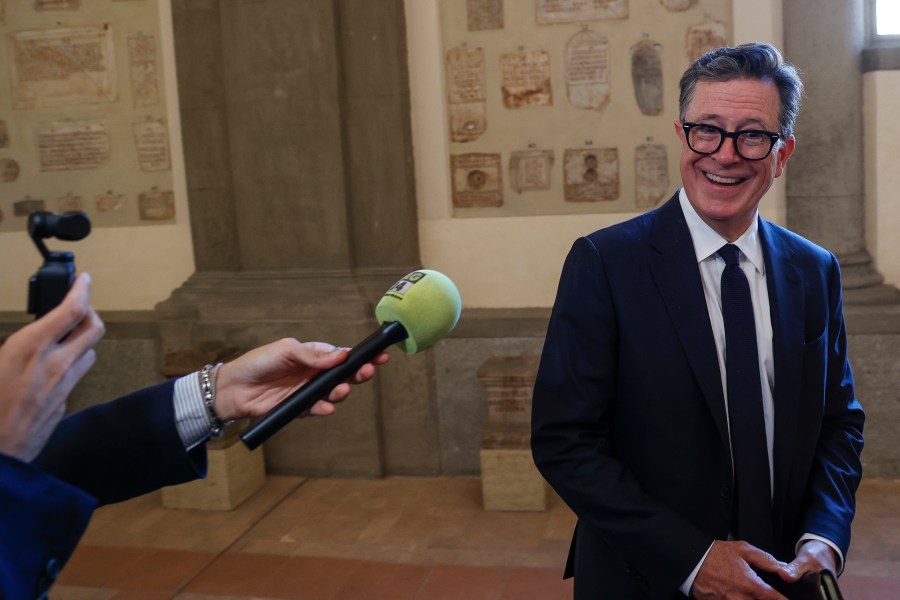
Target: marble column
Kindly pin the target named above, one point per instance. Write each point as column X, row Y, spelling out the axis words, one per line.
column 825, row 188
column 825, row 176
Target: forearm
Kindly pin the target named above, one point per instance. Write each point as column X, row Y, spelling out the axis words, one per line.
column 836, row 469
column 125, row 448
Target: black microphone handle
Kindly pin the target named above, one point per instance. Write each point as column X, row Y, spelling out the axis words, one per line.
column 321, row 385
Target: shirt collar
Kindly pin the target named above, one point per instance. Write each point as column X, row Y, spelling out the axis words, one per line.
column 707, row 242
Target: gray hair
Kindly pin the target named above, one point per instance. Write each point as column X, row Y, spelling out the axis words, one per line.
column 756, row 60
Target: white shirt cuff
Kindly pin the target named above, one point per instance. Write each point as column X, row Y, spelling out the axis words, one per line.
column 686, row 586
column 191, row 418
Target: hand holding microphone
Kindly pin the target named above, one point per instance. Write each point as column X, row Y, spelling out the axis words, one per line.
column 415, row 313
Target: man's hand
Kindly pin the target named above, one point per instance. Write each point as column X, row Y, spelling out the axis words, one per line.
column 252, row 384
column 814, row 556
column 728, row 573
column 39, row 366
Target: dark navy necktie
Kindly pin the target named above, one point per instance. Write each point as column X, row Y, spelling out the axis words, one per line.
column 752, row 520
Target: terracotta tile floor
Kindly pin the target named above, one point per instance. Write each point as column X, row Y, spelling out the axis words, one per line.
column 413, row 538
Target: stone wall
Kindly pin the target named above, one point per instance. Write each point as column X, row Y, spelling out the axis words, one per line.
column 384, row 429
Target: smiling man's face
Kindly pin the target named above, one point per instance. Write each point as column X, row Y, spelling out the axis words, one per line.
column 724, row 188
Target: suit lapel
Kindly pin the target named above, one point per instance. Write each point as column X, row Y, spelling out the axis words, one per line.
column 674, row 268
column 784, row 285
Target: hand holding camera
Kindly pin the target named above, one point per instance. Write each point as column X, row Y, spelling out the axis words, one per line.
column 51, row 283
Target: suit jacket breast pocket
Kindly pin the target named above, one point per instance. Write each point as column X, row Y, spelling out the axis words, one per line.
column 815, row 359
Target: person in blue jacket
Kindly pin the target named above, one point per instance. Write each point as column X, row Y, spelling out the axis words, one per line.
column 694, row 404
column 56, row 469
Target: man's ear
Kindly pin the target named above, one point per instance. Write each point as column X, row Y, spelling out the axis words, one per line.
column 784, row 153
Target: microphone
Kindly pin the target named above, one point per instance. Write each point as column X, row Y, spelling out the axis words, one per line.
column 415, row 313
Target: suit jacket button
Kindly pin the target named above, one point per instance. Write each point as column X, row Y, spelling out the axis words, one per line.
column 48, row 578
column 53, row 568
column 725, row 492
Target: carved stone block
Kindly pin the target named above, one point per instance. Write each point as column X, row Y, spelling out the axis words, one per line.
column 646, row 76
column 509, row 479
column 234, row 473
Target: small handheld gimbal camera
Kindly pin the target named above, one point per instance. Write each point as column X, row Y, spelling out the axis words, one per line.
column 48, row 287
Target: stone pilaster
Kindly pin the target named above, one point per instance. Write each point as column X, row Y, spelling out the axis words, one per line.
column 825, row 176
column 300, row 179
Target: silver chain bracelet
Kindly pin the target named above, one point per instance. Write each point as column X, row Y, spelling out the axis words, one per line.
column 208, row 387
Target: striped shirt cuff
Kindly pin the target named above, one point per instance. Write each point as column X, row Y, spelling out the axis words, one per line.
column 191, row 417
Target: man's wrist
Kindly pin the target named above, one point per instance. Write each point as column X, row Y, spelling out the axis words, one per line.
column 836, row 552
column 208, row 378
column 191, row 418
column 685, row 587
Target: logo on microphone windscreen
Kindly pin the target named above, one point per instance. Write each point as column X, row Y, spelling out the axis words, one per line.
column 399, row 289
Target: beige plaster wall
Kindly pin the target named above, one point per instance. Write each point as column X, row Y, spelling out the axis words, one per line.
column 881, row 89
column 496, row 262
column 132, row 268
column 510, row 262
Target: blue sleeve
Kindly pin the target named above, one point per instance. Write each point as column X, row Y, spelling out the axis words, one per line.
column 837, row 467
column 124, row 448
column 41, row 521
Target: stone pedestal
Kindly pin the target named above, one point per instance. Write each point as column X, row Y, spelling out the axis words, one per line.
column 509, row 479
column 234, row 474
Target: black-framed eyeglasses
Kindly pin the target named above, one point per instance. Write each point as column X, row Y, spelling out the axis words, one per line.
column 750, row 144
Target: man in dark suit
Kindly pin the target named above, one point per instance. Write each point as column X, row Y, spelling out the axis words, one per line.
column 690, row 472
column 54, row 471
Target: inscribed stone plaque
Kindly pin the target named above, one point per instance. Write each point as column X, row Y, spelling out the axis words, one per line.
column 651, row 168
column 476, row 179
column 508, row 383
column 587, row 70
column 41, row 5
column 65, row 146
column 62, row 66
column 466, row 85
column 68, row 202
column 509, row 402
column 151, row 138
column 678, row 5
column 156, row 206
column 4, row 135
column 108, row 202
column 9, row 169
column 591, row 175
column 142, row 62
column 703, row 37
column 526, row 79
column 529, row 170
column 484, row 15
column 25, row 207
column 568, row 11
column 646, row 76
